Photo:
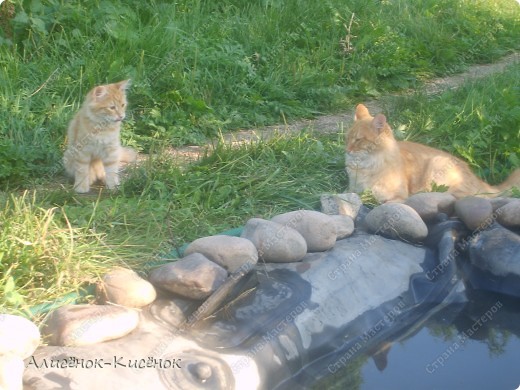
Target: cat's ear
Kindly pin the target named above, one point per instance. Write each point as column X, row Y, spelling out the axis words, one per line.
column 123, row 85
column 361, row 112
column 379, row 123
column 99, row 92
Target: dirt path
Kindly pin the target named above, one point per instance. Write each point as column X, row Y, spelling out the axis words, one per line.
column 331, row 123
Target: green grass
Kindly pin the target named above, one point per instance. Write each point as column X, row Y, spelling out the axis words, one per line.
column 54, row 240
column 479, row 122
column 232, row 184
column 41, row 254
column 201, row 67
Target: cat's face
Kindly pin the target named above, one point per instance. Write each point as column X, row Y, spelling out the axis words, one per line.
column 362, row 138
column 367, row 137
column 361, row 144
column 368, row 133
column 107, row 103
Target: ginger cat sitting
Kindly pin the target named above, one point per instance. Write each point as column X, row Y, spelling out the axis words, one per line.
column 394, row 170
column 94, row 150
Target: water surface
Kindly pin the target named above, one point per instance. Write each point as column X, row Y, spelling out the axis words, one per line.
column 472, row 346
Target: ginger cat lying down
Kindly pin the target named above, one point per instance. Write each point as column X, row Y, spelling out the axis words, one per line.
column 394, row 170
column 94, row 150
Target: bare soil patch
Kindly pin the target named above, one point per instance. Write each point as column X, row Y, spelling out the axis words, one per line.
column 335, row 122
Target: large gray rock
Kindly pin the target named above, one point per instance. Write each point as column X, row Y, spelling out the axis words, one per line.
column 475, row 212
column 396, row 220
column 318, row 229
column 344, row 226
column 328, row 204
column 349, row 204
column 496, row 250
column 275, row 243
column 509, row 214
column 125, row 287
column 341, row 204
column 494, row 261
column 75, row 325
column 500, row 201
column 429, row 204
column 18, row 336
column 193, row 276
column 232, row 253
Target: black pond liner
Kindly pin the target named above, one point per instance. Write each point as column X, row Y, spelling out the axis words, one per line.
column 247, row 326
column 425, row 296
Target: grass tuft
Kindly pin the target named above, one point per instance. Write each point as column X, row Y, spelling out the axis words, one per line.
column 41, row 255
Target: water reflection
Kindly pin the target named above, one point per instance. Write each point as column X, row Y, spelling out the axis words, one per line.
column 475, row 345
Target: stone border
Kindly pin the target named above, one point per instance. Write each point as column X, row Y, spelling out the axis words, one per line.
column 210, row 265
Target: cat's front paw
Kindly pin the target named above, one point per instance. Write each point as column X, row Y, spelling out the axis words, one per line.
column 81, row 184
column 82, row 188
column 112, row 182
